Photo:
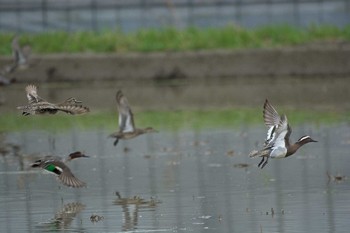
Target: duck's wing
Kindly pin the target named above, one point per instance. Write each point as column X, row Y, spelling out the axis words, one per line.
column 71, row 101
column 281, row 132
column 72, row 109
column 19, row 57
column 272, row 120
column 63, row 173
column 32, row 94
column 126, row 117
column 271, row 116
column 72, row 106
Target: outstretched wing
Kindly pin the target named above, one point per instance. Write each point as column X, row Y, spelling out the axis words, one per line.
column 19, row 57
column 73, row 109
column 126, row 118
column 32, row 94
column 271, row 117
column 281, row 133
column 272, row 120
column 63, row 173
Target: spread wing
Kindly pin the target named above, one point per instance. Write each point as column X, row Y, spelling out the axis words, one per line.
column 281, row 133
column 64, row 174
column 19, row 57
column 271, row 117
column 272, row 120
column 126, row 118
column 73, row 109
column 32, row 94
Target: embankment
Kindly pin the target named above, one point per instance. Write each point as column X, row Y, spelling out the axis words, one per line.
column 296, row 61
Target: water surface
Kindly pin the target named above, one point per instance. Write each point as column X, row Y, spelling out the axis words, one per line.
column 184, row 181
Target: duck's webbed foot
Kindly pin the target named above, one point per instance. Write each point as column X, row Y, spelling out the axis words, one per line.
column 116, row 141
column 263, row 162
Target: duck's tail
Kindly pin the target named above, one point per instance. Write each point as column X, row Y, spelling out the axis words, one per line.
column 259, row 153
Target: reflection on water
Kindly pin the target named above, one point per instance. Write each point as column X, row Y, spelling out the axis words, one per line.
column 195, row 181
column 63, row 218
column 131, row 207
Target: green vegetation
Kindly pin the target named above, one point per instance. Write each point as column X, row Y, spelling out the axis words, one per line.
column 170, row 39
column 163, row 120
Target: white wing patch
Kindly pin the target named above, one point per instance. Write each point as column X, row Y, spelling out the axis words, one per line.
column 271, row 134
column 279, row 149
column 129, row 127
column 126, row 123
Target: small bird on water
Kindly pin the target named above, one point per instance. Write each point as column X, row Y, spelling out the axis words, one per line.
column 38, row 105
column 57, row 165
column 277, row 143
column 127, row 128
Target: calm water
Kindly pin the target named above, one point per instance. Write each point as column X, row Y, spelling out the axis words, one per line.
column 185, row 181
column 190, row 181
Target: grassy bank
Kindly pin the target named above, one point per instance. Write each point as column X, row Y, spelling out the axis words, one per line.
column 163, row 120
column 170, row 39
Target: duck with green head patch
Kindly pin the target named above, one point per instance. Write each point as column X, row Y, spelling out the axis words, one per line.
column 57, row 166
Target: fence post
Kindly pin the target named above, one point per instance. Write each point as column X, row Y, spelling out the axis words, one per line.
column 296, row 13
column 18, row 16
column 94, row 22
column 239, row 11
column 118, row 18
column 320, row 12
column 44, row 14
column 190, row 13
column 68, row 16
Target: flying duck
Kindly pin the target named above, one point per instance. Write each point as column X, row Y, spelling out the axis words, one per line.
column 127, row 128
column 56, row 165
column 38, row 105
column 277, row 143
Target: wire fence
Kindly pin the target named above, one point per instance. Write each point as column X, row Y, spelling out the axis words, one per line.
column 131, row 15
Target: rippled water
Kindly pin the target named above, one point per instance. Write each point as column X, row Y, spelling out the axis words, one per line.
column 185, row 181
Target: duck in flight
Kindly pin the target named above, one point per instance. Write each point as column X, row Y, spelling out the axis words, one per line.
column 277, row 143
column 20, row 60
column 127, row 129
column 38, row 105
column 57, row 166
column 20, row 57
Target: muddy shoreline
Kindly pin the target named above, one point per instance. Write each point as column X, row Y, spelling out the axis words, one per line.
column 297, row 61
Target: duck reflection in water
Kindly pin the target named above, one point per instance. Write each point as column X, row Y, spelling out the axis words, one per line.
column 11, row 150
column 64, row 217
column 131, row 206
